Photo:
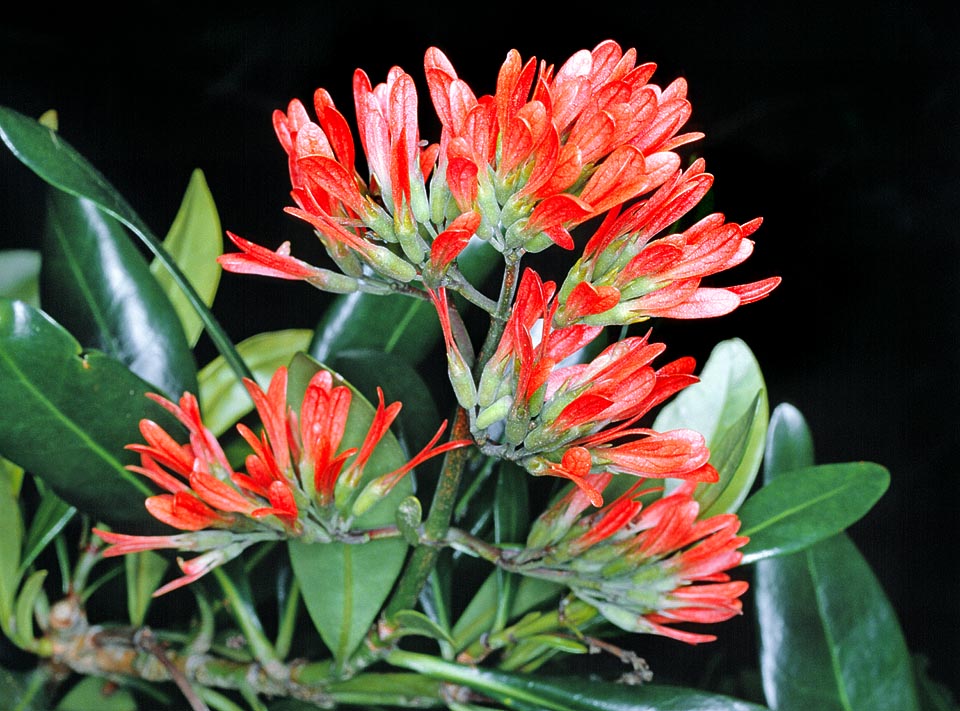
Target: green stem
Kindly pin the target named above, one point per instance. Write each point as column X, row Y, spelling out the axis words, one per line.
column 438, row 521
column 498, row 319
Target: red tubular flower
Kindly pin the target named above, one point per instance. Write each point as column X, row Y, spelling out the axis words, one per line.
column 645, row 566
column 573, row 420
column 596, row 123
column 640, row 276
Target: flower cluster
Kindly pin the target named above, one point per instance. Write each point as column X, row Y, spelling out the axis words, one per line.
column 568, row 419
column 644, row 567
column 299, row 481
column 552, row 148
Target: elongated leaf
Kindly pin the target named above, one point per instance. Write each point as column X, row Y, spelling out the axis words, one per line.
column 20, row 275
column 52, row 514
column 144, row 573
column 194, row 242
column 25, row 605
column 528, row 691
column 222, row 396
column 399, row 325
column 804, row 506
column 729, row 408
column 344, row 585
column 44, row 151
column 66, row 415
column 829, row 638
column 98, row 286
column 510, row 518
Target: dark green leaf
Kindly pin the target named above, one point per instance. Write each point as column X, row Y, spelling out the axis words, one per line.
column 510, row 518
column 934, row 696
column 20, row 275
column 804, row 506
column 98, row 286
column 194, row 242
column 402, row 326
column 829, row 638
column 789, row 442
column 44, row 151
column 345, row 585
column 66, row 416
column 729, row 408
column 528, row 691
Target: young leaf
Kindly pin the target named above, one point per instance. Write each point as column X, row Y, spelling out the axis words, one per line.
column 11, row 540
column 829, row 637
column 481, row 611
column 223, row 398
column 194, row 242
column 729, row 408
column 804, row 506
column 98, row 286
column 20, row 275
column 52, row 514
column 144, row 573
column 345, row 585
column 65, row 416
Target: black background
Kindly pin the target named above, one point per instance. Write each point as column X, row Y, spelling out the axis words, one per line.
column 838, row 123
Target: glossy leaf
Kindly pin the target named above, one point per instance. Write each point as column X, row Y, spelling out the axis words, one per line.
column 344, row 585
column 46, row 153
column 20, row 275
column 194, row 242
column 729, row 408
column 829, row 638
column 98, row 286
column 399, row 325
column 789, row 442
column 804, row 506
column 66, row 415
column 223, row 398
column 532, row 692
